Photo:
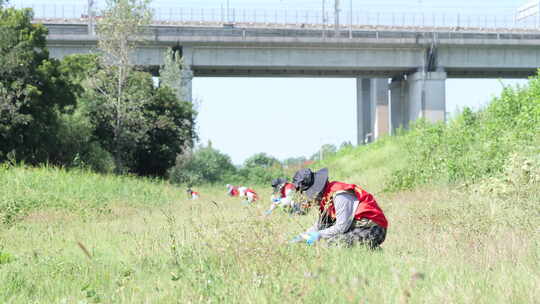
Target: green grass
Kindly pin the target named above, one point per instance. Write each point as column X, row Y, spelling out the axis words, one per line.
column 148, row 244
column 369, row 166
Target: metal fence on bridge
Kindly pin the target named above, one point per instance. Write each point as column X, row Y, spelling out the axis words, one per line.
column 298, row 18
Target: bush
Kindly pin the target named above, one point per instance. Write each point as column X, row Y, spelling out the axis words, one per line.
column 473, row 146
column 205, row 165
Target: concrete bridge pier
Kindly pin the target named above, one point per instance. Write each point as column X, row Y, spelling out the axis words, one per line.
column 417, row 95
column 427, row 96
column 399, row 104
column 372, row 109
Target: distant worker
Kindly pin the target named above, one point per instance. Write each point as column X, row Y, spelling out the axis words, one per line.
column 242, row 191
column 192, row 194
column 283, row 196
column 250, row 195
column 231, row 190
column 348, row 214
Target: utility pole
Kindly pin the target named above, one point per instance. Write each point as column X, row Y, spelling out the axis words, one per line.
column 538, row 14
column 228, row 19
column 350, row 20
column 90, row 17
column 336, row 15
column 324, row 18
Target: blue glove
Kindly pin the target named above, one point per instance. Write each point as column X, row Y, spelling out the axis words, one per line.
column 297, row 239
column 313, row 237
column 275, row 200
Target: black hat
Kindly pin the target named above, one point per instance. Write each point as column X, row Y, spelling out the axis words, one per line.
column 311, row 183
column 276, row 182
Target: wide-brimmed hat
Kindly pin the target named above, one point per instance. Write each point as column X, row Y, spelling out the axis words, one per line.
column 310, row 183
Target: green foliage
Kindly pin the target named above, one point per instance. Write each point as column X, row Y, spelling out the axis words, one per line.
column 205, row 165
column 6, row 258
column 78, row 68
column 154, row 128
column 26, row 190
column 326, row 150
column 120, row 29
column 170, row 132
column 120, row 126
column 345, row 145
column 473, row 146
column 261, row 160
column 258, row 175
column 208, row 165
column 170, row 74
column 79, row 148
column 294, row 161
column 119, row 101
column 33, row 90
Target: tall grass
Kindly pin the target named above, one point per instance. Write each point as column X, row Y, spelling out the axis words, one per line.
column 157, row 247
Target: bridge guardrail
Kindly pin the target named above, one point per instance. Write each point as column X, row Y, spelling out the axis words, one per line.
column 300, row 18
column 246, row 33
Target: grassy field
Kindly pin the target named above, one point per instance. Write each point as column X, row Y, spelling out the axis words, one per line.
column 86, row 238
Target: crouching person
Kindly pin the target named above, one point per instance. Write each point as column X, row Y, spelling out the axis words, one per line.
column 283, row 196
column 232, row 190
column 348, row 214
column 192, row 195
column 251, row 195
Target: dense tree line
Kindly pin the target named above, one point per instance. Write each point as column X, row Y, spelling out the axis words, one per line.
column 96, row 111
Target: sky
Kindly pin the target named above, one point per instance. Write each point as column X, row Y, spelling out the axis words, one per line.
column 289, row 117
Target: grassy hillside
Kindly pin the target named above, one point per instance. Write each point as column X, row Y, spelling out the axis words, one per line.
column 105, row 239
column 369, row 166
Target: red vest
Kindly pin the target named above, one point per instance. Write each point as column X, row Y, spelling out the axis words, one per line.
column 234, row 192
column 367, row 208
column 283, row 190
column 255, row 197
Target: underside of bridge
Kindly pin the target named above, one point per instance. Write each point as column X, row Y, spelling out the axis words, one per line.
column 400, row 75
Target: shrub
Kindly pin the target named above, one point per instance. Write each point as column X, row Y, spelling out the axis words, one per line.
column 205, row 165
column 473, row 146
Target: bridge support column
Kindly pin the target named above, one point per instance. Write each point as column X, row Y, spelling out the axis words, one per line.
column 427, row 96
column 399, row 104
column 186, row 83
column 372, row 109
column 380, row 99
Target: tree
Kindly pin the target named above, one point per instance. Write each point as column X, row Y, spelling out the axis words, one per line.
column 119, row 31
column 33, row 90
column 119, row 131
column 294, row 161
column 170, row 74
column 324, row 151
column 345, row 145
column 261, row 160
column 152, row 137
column 170, row 132
column 205, row 165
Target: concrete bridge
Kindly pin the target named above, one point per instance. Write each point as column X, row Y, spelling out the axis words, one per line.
column 400, row 72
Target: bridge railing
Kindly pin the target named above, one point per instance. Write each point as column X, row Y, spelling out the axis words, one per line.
column 175, row 33
column 298, row 18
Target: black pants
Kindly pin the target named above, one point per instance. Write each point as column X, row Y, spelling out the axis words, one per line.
column 362, row 232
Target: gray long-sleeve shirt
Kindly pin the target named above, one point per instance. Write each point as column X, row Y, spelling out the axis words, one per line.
column 345, row 205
